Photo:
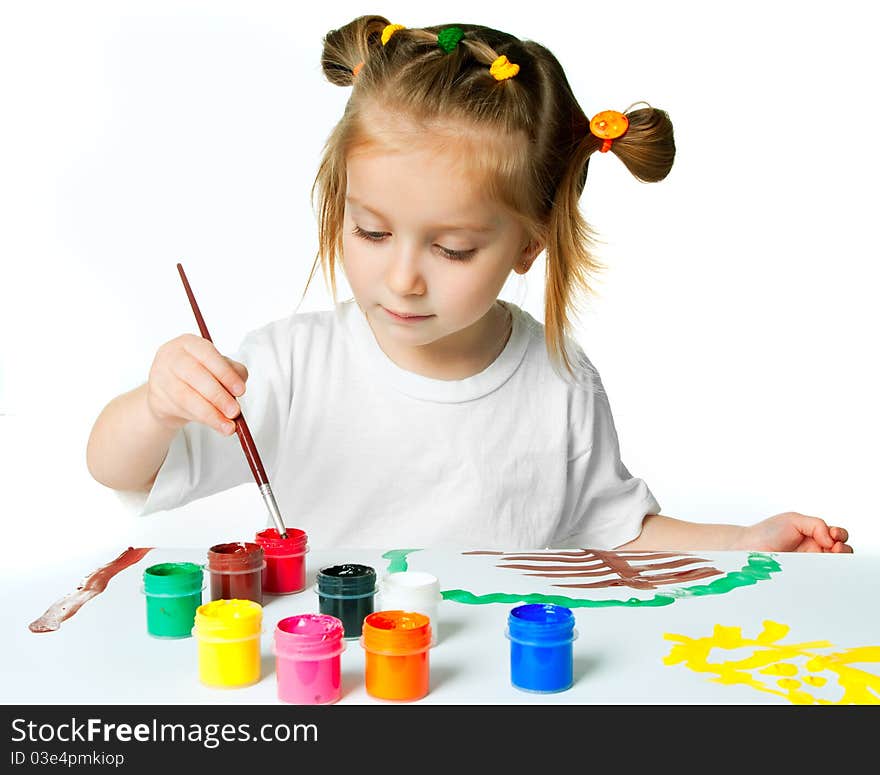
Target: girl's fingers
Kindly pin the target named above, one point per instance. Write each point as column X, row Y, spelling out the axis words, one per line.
column 242, row 372
column 815, row 528
column 839, row 534
column 197, row 376
column 191, row 381
column 219, row 366
column 195, row 406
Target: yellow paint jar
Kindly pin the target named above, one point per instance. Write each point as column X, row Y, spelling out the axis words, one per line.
column 228, row 634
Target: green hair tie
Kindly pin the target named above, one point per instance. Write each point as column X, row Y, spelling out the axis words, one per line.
column 448, row 38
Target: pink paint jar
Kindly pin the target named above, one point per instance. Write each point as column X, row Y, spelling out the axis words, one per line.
column 307, row 659
column 285, row 560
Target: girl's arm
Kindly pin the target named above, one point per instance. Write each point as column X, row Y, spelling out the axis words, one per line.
column 189, row 381
column 787, row 532
column 127, row 445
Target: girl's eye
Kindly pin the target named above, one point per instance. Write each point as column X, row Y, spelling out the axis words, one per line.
column 457, row 255
column 378, row 236
column 372, row 236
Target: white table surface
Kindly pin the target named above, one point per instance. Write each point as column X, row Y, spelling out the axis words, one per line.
column 103, row 654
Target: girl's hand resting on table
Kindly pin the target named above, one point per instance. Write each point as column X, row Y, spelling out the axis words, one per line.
column 190, row 380
column 793, row 532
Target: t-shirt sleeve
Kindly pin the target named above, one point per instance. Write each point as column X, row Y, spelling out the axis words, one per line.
column 200, row 461
column 605, row 504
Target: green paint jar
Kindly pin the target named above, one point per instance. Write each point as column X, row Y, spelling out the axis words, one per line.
column 173, row 591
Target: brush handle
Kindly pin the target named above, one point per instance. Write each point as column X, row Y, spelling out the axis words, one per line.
column 250, row 450
column 241, row 427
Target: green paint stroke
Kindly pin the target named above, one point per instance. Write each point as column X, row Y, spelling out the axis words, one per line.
column 397, row 559
column 758, row 568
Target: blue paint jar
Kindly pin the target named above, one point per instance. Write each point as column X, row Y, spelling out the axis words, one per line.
column 541, row 637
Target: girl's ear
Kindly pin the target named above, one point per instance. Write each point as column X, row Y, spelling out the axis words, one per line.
column 527, row 257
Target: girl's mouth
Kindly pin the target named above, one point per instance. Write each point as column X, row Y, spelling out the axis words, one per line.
column 405, row 317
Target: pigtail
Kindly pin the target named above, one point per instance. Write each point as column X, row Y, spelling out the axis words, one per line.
column 647, row 148
column 347, row 49
column 571, row 261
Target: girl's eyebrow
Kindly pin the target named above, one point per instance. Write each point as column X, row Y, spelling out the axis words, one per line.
column 463, row 227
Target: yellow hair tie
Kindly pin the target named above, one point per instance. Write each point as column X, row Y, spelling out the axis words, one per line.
column 389, row 30
column 502, row 69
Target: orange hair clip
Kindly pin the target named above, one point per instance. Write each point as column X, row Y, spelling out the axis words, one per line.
column 608, row 126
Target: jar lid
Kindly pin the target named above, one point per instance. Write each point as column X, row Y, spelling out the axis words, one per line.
column 347, row 579
column 309, row 636
column 274, row 545
column 396, row 633
column 228, row 619
column 173, row 578
column 237, row 555
column 539, row 623
column 410, row 589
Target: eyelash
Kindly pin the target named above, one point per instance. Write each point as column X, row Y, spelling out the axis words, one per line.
column 374, row 236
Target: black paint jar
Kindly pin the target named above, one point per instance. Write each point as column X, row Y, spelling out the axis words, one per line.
column 347, row 592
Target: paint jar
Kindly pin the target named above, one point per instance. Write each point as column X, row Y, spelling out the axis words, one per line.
column 236, row 571
column 285, row 561
column 228, row 632
column 347, row 592
column 541, row 637
column 307, row 659
column 396, row 646
column 412, row 590
column 173, row 591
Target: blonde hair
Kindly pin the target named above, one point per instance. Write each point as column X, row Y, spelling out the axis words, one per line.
column 537, row 167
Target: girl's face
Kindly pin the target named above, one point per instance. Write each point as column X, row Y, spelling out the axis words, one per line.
column 419, row 239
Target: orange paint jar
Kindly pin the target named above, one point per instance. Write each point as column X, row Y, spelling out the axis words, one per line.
column 396, row 646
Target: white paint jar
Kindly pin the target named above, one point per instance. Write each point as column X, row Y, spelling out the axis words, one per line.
column 411, row 591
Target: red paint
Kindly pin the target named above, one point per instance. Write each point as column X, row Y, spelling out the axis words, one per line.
column 285, row 560
column 236, row 571
column 91, row 586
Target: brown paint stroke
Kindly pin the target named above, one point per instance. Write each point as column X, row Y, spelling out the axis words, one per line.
column 572, row 557
column 560, row 571
column 91, row 585
column 648, row 582
column 643, row 553
column 627, row 569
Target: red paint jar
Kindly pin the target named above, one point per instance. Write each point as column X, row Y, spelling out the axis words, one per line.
column 285, row 560
column 236, row 571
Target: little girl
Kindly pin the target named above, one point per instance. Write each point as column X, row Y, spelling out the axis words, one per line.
column 426, row 411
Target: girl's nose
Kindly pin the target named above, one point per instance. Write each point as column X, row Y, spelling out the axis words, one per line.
column 404, row 274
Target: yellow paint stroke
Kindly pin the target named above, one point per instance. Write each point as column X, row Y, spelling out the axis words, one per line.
column 788, row 668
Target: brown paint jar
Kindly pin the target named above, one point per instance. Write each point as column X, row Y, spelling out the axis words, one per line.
column 236, row 571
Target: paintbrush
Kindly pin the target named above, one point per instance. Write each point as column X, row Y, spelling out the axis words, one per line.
column 241, row 428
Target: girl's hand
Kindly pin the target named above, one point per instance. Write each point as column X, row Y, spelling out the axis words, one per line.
column 793, row 532
column 190, row 380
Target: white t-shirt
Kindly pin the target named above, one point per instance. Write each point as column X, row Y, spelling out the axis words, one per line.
column 362, row 453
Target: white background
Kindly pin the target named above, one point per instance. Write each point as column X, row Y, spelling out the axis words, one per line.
column 735, row 328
